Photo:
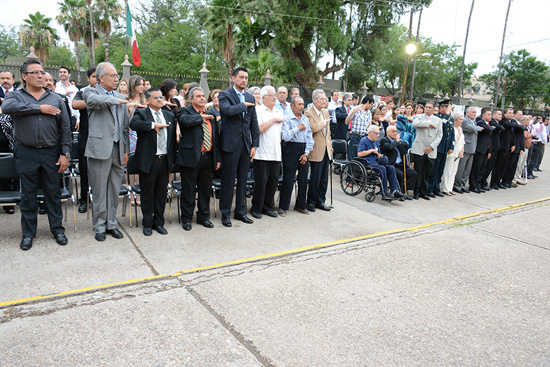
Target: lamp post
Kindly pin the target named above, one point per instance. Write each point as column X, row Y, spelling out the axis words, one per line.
column 426, row 55
column 410, row 49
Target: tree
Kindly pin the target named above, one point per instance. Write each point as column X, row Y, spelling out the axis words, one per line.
column 10, row 44
column 108, row 11
column 61, row 55
column 258, row 65
column 72, row 16
column 37, row 32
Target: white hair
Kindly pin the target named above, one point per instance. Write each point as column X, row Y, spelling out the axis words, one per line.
column 374, row 128
column 456, row 115
column 282, row 86
column 265, row 91
column 101, row 68
column 316, row 93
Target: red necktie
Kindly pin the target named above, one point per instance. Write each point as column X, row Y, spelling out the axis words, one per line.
column 348, row 110
column 6, row 91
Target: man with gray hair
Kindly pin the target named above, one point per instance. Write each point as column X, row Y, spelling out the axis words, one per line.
column 107, row 148
column 281, row 103
column 470, row 129
column 267, row 161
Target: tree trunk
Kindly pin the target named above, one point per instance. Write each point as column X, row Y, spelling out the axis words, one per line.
column 92, row 47
column 107, row 35
column 77, row 59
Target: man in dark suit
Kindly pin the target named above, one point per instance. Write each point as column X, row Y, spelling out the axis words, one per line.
column 239, row 139
column 495, row 147
column 394, row 149
column 6, row 82
column 518, row 143
column 501, row 164
column 154, row 157
column 342, row 113
column 198, row 157
column 482, row 150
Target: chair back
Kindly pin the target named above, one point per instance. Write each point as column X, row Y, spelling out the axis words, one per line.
column 7, row 167
column 132, row 167
column 340, row 148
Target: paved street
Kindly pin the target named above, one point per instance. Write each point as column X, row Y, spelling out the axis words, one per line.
column 453, row 281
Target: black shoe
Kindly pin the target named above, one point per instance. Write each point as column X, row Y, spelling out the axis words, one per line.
column 82, row 208
column 255, row 215
column 310, row 208
column 160, row 230
column 243, row 218
column 416, row 196
column 513, row 185
column 476, row 190
column 226, row 221
column 507, row 185
column 537, row 169
column 322, row 206
column 531, row 177
column 494, row 188
column 42, row 210
column 466, row 191
column 486, row 188
column 425, row 197
column 408, row 197
column 300, row 210
column 387, row 197
column 205, row 223
column 270, row 213
column 100, row 236
column 186, row 226
column 481, row 190
column 458, row 191
column 431, row 194
column 115, row 233
column 26, row 244
column 61, row 239
column 501, row 186
column 9, row 209
column 439, row 194
column 147, row 231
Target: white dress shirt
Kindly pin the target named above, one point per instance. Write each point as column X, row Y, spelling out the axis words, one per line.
column 270, row 140
column 160, row 120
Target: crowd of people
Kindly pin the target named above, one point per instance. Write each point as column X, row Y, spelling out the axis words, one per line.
column 421, row 151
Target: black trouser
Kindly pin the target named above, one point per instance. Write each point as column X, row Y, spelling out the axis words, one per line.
column 411, row 177
column 291, row 163
column 234, row 163
column 489, row 168
column 511, row 169
column 434, row 185
column 199, row 177
column 266, row 181
column 535, row 156
column 318, row 181
column 153, row 192
column 37, row 167
column 423, row 166
column 501, row 165
column 83, row 168
column 478, row 167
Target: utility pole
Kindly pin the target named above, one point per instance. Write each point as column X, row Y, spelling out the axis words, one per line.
column 416, row 54
column 501, row 52
column 464, row 54
column 404, row 85
column 92, row 48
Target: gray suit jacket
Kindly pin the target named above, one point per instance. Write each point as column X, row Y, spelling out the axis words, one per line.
column 470, row 129
column 102, row 109
column 425, row 135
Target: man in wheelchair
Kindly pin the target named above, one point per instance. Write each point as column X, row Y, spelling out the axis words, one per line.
column 368, row 152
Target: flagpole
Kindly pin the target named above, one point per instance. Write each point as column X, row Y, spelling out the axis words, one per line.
column 126, row 2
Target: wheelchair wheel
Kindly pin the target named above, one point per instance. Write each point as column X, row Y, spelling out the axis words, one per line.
column 352, row 178
column 370, row 196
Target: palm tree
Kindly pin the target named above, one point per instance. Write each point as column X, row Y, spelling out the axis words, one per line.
column 91, row 32
column 36, row 32
column 72, row 16
column 109, row 11
column 258, row 65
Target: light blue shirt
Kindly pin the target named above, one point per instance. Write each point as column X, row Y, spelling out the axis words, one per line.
column 292, row 134
column 287, row 111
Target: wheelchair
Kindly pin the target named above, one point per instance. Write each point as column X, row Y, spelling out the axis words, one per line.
column 356, row 177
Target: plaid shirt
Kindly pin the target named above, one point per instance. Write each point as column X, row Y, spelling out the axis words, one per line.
column 360, row 122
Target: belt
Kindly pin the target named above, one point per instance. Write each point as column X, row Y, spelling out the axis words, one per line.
column 206, row 152
column 160, row 156
column 362, row 136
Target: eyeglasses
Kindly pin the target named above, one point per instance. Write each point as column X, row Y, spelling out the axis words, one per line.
column 41, row 72
column 272, row 95
column 375, row 133
column 156, row 97
column 114, row 76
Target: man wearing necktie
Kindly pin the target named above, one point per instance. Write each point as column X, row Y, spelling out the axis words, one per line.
column 239, row 138
column 107, row 148
column 341, row 114
column 154, row 157
column 6, row 81
column 198, row 158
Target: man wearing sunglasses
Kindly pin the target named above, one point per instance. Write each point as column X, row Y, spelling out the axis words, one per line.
column 42, row 145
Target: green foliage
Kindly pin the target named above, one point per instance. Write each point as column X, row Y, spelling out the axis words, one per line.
column 258, row 65
column 61, row 55
column 10, row 45
column 37, row 32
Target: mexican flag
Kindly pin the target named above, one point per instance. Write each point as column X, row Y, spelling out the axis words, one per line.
column 136, row 58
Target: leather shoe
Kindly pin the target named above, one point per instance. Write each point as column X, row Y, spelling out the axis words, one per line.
column 42, row 210
column 115, row 233
column 481, row 190
column 100, row 236
column 255, row 215
column 61, row 239
column 226, row 221
column 531, row 177
column 476, row 190
column 322, row 206
column 486, row 188
column 160, row 230
column 310, row 208
column 387, row 197
column 206, row 223
column 439, row 194
column 270, row 213
column 416, row 196
column 148, row 231
column 494, row 188
column 243, row 218
column 431, row 194
column 300, row 210
column 282, row 212
column 82, row 208
column 466, row 191
column 501, row 186
column 507, row 185
column 26, row 244
column 513, row 185
column 186, row 226
column 425, row 197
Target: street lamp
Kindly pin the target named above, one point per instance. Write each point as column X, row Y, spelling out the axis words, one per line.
column 426, row 55
column 410, row 49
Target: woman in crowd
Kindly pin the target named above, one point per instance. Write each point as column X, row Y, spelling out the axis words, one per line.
column 123, row 87
column 451, row 166
column 255, row 91
column 215, row 109
column 376, row 121
column 137, row 100
column 392, row 120
column 168, row 88
column 405, row 126
column 383, row 111
column 189, row 86
column 419, row 110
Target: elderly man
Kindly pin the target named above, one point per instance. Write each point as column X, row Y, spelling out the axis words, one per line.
column 294, row 92
column 281, row 102
column 298, row 139
column 482, row 150
column 6, row 81
column 394, row 148
column 107, row 148
column 470, row 130
column 424, row 151
column 267, row 161
column 520, row 177
column 42, row 149
column 369, row 149
column 319, row 120
column 446, row 146
column 537, row 148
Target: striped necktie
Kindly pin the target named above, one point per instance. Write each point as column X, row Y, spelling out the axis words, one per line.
column 162, row 136
column 117, row 125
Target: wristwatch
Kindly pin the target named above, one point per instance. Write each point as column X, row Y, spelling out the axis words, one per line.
column 68, row 155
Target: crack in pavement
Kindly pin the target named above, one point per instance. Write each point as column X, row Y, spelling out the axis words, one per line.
column 147, row 262
column 510, row 238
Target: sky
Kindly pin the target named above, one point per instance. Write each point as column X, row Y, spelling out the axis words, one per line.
column 444, row 21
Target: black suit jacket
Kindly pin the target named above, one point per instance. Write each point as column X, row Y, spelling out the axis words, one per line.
column 484, row 136
column 387, row 147
column 146, row 147
column 235, row 127
column 192, row 136
column 506, row 134
column 518, row 137
column 495, row 138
